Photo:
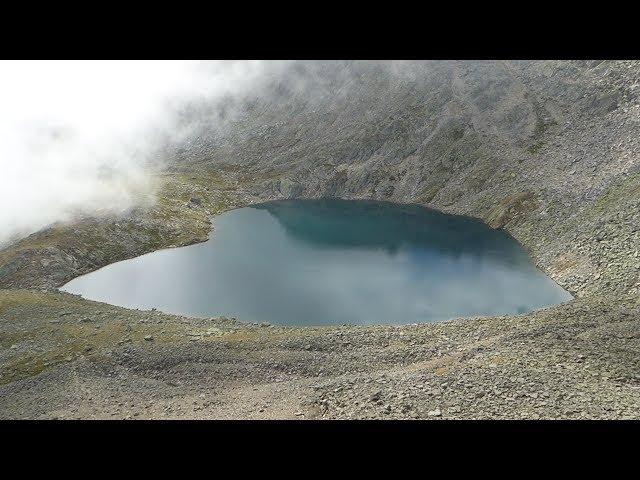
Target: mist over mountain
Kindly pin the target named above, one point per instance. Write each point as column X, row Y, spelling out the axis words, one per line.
column 79, row 137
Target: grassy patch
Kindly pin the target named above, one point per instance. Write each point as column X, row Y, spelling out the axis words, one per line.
column 534, row 148
column 564, row 262
column 65, row 342
column 629, row 189
column 23, row 298
column 171, row 219
column 510, row 207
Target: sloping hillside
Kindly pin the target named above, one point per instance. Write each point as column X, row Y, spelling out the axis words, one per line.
column 548, row 150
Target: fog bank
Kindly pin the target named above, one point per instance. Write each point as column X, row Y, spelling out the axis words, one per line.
column 78, row 137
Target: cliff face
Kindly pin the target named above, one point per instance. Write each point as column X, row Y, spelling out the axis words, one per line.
column 546, row 149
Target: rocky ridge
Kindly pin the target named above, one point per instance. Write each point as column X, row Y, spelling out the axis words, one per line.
column 546, row 150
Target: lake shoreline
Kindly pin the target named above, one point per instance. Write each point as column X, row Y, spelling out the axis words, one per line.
column 348, row 261
column 260, row 371
column 546, row 150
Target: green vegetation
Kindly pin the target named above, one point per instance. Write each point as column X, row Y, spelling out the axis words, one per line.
column 614, row 196
column 510, row 207
column 535, row 147
column 178, row 213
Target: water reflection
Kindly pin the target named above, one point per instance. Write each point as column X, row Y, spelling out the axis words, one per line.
column 330, row 262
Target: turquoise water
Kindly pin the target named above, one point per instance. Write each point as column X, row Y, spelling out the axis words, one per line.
column 319, row 262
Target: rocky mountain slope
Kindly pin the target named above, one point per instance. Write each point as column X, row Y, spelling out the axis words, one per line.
column 548, row 150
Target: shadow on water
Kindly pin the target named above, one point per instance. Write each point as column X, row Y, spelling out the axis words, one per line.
column 330, row 223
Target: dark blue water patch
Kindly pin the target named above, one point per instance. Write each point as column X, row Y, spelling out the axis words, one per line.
column 321, row 262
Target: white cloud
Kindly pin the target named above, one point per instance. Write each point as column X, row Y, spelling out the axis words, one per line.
column 76, row 136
